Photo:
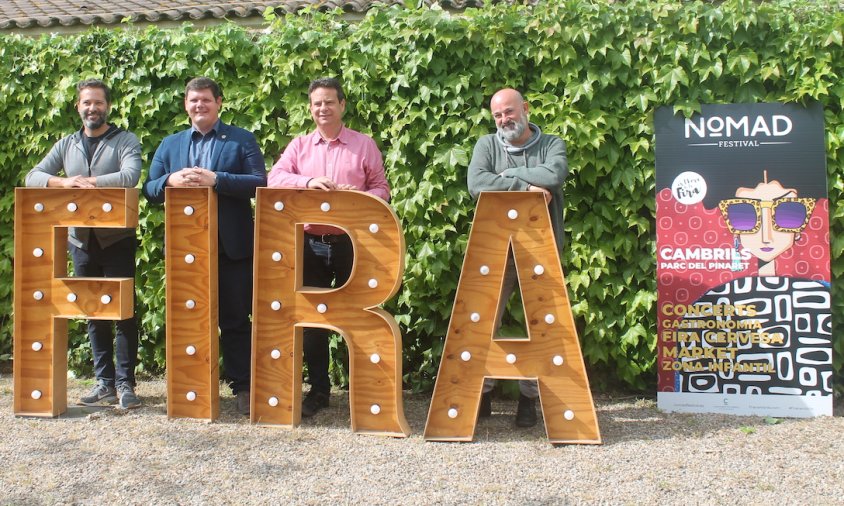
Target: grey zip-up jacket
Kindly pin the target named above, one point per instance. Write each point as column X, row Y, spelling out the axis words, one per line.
column 116, row 163
column 543, row 164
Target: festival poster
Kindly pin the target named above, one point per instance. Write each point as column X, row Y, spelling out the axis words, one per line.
column 743, row 261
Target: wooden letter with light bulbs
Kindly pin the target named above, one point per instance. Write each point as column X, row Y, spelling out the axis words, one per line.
column 45, row 298
column 283, row 307
column 190, row 238
column 550, row 354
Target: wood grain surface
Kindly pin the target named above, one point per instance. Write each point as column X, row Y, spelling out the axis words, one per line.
column 42, row 216
column 372, row 335
column 191, row 229
column 518, row 221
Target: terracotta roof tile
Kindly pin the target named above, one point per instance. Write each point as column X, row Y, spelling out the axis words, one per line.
column 46, row 13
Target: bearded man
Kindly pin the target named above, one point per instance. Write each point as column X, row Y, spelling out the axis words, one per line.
column 518, row 157
column 100, row 155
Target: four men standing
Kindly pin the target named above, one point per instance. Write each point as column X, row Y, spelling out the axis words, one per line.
column 227, row 158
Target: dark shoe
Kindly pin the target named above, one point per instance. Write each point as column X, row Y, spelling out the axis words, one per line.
column 100, row 395
column 128, row 399
column 243, row 402
column 526, row 412
column 485, row 410
column 314, row 402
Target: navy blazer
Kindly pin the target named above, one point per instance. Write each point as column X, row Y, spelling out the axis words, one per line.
column 240, row 169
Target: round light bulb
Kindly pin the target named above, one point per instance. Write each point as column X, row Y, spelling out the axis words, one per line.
column 568, row 415
column 275, row 305
column 512, row 214
column 37, row 346
column 484, row 270
column 273, row 401
column 276, row 256
column 538, row 270
column 38, row 207
column 278, row 206
column 190, row 350
column 275, row 354
column 475, row 317
column 375, row 358
column 38, row 252
column 452, row 413
column 325, row 207
column 37, row 295
column 36, row 394
column 188, row 211
column 373, row 228
column 321, row 308
column 510, row 358
column 105, row 299
column 549, row 319
column 466, row 356
column 190, row 303
column 373, row 283
column 375, row 409
column 72, row 207
column 71, row 297
column 189, row 258
column 191, row 396
column 107, row 207
column 558, row 360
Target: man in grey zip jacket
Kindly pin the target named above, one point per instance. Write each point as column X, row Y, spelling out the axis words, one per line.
column 519, row 157
column 100, row 155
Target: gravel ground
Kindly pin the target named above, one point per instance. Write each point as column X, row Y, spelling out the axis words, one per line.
column 104, row 456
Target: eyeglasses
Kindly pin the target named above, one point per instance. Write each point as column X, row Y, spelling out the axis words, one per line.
column 744, row 216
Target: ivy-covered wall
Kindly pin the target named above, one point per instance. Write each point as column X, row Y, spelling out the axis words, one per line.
column 419, row 81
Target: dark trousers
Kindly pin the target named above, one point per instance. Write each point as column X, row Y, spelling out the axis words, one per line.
column 114, row 261
column 234, row 279
column 325, row 265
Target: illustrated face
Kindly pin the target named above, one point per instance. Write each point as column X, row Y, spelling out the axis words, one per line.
column 93, row 108
column 510, row 115
column 203, row 108
column 326, row 109
column 767, row 218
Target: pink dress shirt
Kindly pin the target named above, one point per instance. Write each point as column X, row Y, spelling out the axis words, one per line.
column 352, row 158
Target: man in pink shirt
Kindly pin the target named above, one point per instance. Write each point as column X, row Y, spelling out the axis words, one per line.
column 332, row 157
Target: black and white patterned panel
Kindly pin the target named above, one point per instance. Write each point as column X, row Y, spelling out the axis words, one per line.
column 729, row 354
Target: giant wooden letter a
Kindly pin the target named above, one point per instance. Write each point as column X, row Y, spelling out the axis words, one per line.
column 551, row 354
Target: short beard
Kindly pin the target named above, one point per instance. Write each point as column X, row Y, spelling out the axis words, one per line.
column 94, row 124
column 512, row 133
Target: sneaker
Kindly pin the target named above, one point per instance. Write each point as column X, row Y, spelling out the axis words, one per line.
column 243, row 402
column 485, row 410
column 128, row 399
column 314, row 402
column 526, row 412
column 100, row 395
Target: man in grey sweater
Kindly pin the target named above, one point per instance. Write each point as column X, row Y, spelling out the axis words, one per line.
column 519, row 157
column 100, row 155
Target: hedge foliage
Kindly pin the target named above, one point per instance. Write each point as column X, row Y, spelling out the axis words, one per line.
column 419, row 80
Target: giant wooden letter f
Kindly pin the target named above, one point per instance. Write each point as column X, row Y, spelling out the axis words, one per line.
column 45, row 298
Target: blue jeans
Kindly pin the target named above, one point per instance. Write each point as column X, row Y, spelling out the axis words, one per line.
column 325, row 265
column 114, row 261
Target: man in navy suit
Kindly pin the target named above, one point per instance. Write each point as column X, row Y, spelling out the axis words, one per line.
column 228, row 159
